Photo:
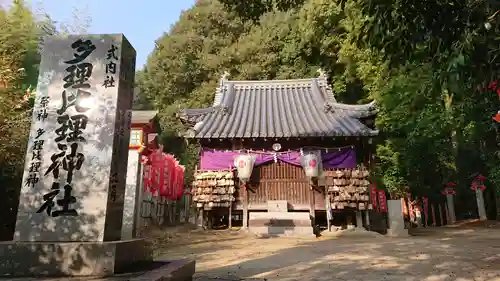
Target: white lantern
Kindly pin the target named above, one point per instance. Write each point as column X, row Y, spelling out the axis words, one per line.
column 244, row 165
column 310, row 163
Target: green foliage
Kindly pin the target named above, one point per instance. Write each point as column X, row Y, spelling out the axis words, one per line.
column 427, row 65
column 254, row 9
column 18, row 70
column 21, row 37
column 141, row 100
column 21, row 34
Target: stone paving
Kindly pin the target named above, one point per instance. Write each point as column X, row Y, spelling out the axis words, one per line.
column 459, row 255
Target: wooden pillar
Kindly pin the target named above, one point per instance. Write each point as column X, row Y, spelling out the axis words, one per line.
column 312, row 209
column 328, row 211
column 230, row 224
column 441, row 214
column 433, row 213
column 200, row 218
column 359, row 219
column 210, row 219
column 245, row 206
column 238, row 144
column 367, row 219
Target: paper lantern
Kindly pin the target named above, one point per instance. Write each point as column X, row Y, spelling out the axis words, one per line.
column 171, row 176
column 173, row 180
column 310, row 163
column 166, row 172
column 244, row 165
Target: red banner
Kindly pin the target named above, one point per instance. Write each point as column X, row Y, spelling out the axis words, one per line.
column 158, row 164
column 373, row 196
column 382, row 201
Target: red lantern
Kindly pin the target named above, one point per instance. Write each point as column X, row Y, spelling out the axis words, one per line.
column 157, row 172
column 382, row 201
column 167, row 175
column 449, row 189
column 478, row 182
column 480, row 177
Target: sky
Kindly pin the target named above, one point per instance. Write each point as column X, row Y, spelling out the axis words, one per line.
column 141, row 23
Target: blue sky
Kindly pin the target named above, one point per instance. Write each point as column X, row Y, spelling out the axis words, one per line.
column 141, row 23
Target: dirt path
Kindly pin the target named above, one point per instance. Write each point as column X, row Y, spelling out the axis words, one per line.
column 457, row 254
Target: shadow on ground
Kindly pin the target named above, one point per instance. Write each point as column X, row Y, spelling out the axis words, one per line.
column 451, row 254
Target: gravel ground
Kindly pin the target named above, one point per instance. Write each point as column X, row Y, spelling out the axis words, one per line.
column 462, row 253
column 459, row 254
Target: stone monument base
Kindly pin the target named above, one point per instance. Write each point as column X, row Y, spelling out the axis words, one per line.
column 178, row 270
column 400, row 232
column 396, row 221
column 25, row 259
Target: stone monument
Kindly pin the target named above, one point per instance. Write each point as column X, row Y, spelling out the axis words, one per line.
column 72, row 195
column 71, row 189
column 396, row 220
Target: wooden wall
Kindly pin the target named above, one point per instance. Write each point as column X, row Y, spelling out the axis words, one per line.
column 281, row 181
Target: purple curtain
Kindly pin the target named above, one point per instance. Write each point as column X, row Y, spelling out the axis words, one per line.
column 224, row 160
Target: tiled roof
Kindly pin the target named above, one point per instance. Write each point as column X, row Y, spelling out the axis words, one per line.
column 277, row 108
